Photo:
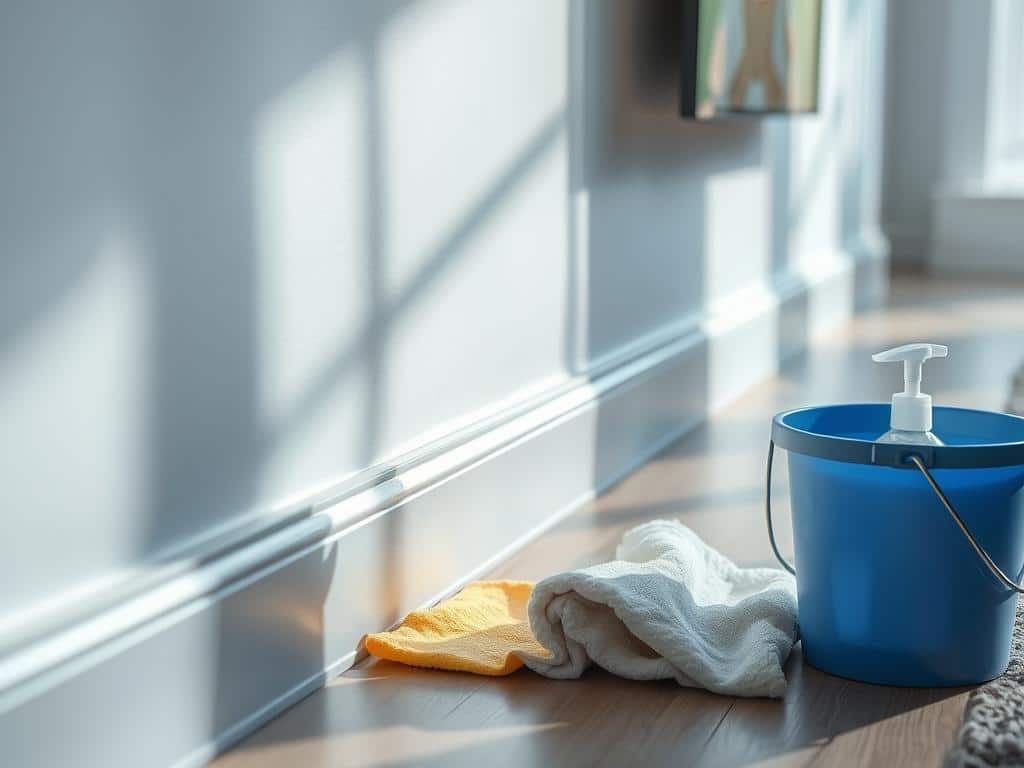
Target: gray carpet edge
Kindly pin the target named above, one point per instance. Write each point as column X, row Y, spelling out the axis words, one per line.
column 992, row 729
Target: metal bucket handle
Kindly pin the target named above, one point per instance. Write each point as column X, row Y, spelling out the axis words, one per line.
column 996, row 571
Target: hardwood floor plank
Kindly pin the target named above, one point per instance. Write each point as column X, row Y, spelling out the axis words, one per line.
column 921, row 735
column 822, row 714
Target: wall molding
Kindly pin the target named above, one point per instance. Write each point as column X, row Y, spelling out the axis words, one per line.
column 206, row 648
column 978, row 228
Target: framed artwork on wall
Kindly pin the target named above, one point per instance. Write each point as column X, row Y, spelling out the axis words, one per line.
column 749, row 57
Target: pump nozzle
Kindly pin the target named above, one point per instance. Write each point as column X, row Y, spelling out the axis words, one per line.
column 911, row 409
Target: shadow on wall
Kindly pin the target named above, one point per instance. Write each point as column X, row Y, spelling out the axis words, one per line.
column 216, row 136
column 350, row 61
column 651, row 249
column 189, row 207
column 703, row 210
column 676, row 216
column 671, row 216
column 213, row 269
column 653, row 234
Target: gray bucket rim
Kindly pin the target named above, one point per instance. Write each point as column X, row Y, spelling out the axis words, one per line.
column 852, row 450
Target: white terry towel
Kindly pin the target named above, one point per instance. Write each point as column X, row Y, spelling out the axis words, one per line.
column 669, row 606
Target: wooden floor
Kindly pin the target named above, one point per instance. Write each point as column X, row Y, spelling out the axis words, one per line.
column 383, row 714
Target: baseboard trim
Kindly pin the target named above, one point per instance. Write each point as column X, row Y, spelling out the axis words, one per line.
column 243, row 728
column 192, row 664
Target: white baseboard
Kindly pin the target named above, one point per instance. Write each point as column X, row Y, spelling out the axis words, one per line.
column 978, row 229
column 187, row 667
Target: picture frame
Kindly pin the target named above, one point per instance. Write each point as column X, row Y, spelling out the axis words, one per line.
column 749, row 57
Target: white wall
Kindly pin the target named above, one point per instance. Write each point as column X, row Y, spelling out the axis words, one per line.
column 917, row 34
column 953, row 82
column 253, row 248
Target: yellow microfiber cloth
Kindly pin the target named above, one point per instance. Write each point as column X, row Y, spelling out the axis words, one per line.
column 480, row 630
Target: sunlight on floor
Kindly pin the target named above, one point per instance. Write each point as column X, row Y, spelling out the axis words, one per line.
column 391, row 745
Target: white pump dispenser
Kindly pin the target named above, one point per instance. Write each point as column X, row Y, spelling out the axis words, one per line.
column 911, row 420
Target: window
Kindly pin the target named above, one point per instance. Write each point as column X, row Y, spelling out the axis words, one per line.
column 1005, row 142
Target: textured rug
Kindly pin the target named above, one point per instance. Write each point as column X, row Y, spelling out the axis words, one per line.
column 992, row 732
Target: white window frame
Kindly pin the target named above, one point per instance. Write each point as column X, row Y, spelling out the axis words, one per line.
column 1004, row 145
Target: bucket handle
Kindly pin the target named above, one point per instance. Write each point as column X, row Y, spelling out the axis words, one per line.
column 979, row 550
column 768, row 511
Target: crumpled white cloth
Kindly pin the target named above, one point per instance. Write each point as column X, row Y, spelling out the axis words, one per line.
column 669, row 606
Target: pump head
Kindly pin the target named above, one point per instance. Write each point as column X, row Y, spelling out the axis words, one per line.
column 911, row 409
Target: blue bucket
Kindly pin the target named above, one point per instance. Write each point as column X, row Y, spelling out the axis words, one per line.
column 907, row 557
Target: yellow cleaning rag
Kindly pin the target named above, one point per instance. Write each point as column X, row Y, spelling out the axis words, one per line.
column 480, row 630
